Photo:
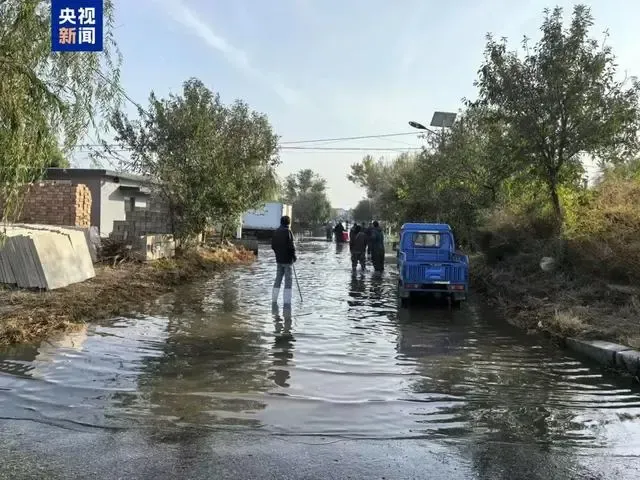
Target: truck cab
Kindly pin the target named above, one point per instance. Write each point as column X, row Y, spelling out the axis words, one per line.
column 429, row 264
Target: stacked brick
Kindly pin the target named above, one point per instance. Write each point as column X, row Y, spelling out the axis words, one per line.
column 56, row 203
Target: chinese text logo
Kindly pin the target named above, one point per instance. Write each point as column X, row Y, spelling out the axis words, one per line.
column 76, row 25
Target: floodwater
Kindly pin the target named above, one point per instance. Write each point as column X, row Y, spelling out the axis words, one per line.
column 345, row 363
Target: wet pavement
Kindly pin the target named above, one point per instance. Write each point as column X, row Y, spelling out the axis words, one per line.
column 343, row 385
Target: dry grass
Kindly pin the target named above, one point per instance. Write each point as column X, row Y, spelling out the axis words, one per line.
column 602, row 232
column 593, row 292
column 566, row 323
column 30, row 316
column 563, row 304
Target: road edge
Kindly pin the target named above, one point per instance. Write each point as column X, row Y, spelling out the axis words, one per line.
column 608, row 354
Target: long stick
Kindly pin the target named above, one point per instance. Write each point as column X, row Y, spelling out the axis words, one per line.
column 297, row 283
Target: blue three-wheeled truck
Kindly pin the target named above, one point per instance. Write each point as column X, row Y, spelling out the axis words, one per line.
column 429, row 264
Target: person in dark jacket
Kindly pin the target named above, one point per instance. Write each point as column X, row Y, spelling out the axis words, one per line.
column 338, row 230
column 377, row 247
column 358, row 248
column 352, row 235
column 285, row 250
column 369, row 232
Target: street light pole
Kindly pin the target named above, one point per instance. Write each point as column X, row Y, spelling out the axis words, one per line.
column 420, row 126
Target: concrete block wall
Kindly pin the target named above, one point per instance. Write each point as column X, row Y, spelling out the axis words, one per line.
column 56, row 203
column 152, row 219
column 154, row 247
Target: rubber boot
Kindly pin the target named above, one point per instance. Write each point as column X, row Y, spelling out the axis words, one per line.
column 287, row 296
column 275, row 294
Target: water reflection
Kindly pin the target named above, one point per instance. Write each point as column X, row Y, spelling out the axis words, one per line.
column 345, row 361
column 18, row 360
column 357, row 288
column 230, row 291
column 282, row 350
column 377, row 291
column 210, row 365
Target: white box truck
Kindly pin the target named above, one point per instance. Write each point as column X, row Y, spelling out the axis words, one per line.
column 263, row 221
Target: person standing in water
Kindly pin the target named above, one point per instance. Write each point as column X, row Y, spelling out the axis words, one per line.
column 352, row 234
column 369, row 231
column 338, row 231
column 377, row 247
column 285, row 250
column 358, row 248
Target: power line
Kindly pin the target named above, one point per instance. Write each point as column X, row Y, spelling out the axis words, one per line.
column 295, row 142
column 120, row 89
column 340, row 139
column 302, row 149
column 351, row 149
column 287, row 144
column 284, row 144
column 335, row 139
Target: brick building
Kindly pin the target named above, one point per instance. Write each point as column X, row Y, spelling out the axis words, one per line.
column 113, row 194
column 56, row 203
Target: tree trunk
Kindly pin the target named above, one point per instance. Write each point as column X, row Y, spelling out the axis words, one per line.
column 172, row 218
column 555, row 202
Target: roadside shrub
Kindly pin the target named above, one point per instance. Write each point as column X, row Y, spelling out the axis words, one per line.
column 522, row 232
column 603, row 231
column 600, row 236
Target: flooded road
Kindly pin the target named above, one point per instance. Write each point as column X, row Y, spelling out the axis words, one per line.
column 343, row 385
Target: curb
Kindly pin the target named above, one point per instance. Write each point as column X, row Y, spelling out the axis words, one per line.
column 608, row 354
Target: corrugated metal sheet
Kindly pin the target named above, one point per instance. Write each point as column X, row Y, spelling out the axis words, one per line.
column 421, row 273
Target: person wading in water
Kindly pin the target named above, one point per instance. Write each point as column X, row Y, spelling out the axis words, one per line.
column 285, row 250
column 329, row 231
column 358, row 246
column 338, row 230
column 377, row 247
column 369, row 231
column 352, row 234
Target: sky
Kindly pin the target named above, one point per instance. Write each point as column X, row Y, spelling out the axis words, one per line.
column 327, row 68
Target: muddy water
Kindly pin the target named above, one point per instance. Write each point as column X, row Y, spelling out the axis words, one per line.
column 343, row 362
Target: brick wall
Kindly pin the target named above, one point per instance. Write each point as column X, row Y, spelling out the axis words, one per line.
column 56, row 203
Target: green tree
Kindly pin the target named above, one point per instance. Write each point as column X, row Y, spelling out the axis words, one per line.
column 386, row 183
column 210, row 161
column 476, row 155
column 363, row 211
column 306, row 192
column 371, row 174
column 560, row 100
column 48, row 101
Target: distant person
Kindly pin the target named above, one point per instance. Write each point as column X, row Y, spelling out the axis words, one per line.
column 377, row 247
column 329, row 231
column 338, row 230
column 285, row 250
column 358, row 247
